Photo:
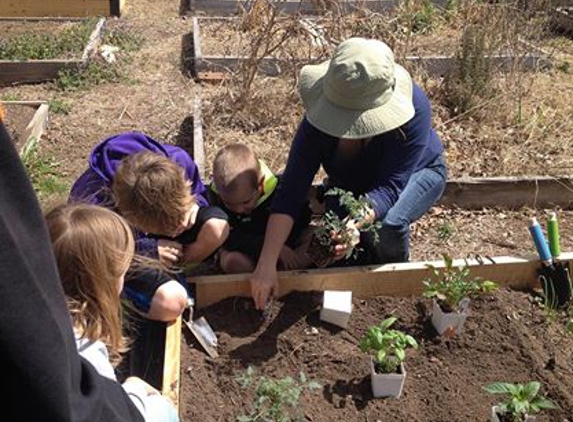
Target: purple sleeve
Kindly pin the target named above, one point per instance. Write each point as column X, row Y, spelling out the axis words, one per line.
column 401, row 156
column 146, row 246
column 181, row 157
column 303, row 162
column 92, row 189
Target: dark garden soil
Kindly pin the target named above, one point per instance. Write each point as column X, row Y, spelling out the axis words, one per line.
column 17, row 119
column 508, row 337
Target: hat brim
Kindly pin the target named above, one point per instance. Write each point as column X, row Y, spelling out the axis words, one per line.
column 354, row 124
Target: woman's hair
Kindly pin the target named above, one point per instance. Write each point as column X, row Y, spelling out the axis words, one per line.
column 93, row 247
column 152, row 192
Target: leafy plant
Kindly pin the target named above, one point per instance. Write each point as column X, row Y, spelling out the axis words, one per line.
column 522, row 399
column 59, row 106
column 357, row 209
column 445, row 231
column 452, row 284
column 275, row 400
column 388, row 346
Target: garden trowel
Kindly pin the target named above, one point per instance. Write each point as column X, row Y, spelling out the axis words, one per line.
column 202, row 331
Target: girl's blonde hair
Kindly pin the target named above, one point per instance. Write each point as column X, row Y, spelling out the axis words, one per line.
column 94, row 248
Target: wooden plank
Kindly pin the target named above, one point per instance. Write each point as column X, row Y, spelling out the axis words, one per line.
column 386, row 280
column 172, row 362
column 12, row 72
column 94, row 40
column 198, row 145
column 509, row 193
column 67, row 8
column 37, row 126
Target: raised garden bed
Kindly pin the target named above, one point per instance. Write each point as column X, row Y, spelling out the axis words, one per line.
column 68, row 8
column 222, row 44
column 37, row 50
column 507, row 337
column 25, row 120
column 508, row 329
column 465, row 192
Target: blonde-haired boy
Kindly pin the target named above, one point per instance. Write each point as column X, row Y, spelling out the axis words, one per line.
column 244, row 187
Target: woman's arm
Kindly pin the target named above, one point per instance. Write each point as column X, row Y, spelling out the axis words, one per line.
column 264, row 282
column 303, row 163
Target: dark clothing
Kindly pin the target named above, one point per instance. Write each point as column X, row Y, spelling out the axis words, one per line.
column 48, row 381
column 380, row 171
column 248, row 231
column 203, row 215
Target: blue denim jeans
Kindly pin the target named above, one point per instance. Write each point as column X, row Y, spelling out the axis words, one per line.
column 422, row 191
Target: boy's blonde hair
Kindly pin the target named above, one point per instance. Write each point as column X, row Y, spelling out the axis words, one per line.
column 152, row 192
column 236, row 162
column 93, row 247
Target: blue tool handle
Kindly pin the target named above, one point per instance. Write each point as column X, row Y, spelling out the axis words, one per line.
column 540, row 242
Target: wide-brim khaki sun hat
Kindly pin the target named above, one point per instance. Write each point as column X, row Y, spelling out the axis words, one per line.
column 359, row 93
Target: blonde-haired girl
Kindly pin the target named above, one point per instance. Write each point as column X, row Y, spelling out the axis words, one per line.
column 94, row 248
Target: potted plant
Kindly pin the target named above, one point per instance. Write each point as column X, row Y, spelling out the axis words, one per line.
column 451, row 290
column 321, row 247
column 387, row 363
column 522, row 402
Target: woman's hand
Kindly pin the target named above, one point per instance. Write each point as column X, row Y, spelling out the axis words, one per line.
column 346, row 241
column 169, row 251
column 264, row 285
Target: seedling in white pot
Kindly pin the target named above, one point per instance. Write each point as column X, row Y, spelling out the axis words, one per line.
column 336, row 307
column 451, row 290
column 523, row 401
column 388, row 348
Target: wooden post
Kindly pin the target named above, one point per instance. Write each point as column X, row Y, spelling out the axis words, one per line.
column 172, row 362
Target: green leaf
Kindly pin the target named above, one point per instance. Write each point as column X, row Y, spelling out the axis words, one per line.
column 387, row 323
column 543, row 403
column 531, row 389
column 498, row 388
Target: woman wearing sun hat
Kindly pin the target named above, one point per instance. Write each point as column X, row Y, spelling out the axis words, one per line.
column 369, row 126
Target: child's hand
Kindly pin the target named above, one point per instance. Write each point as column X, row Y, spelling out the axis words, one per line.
column 346, row 241
column 139, row 383
column 169, row 251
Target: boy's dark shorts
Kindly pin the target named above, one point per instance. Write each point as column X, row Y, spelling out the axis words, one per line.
column 142, row 283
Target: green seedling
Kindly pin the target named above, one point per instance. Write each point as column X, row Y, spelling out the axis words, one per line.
column 452, row 284
column 275, row 400
column 357, row 210
column 387, row 346
column 522, row 400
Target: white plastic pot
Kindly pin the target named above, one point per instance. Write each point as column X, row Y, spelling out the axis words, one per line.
column 444, row 321
column 336, row 307
column 495, row 418
column 387, row 385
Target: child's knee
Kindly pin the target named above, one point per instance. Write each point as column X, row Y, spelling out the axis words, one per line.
column 169, row 301
column 235, row 262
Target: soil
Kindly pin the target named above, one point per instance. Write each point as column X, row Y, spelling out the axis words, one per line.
column 508, row 337
column 17, row 119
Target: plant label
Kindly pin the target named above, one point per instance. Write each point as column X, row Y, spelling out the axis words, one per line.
column 336, row 307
